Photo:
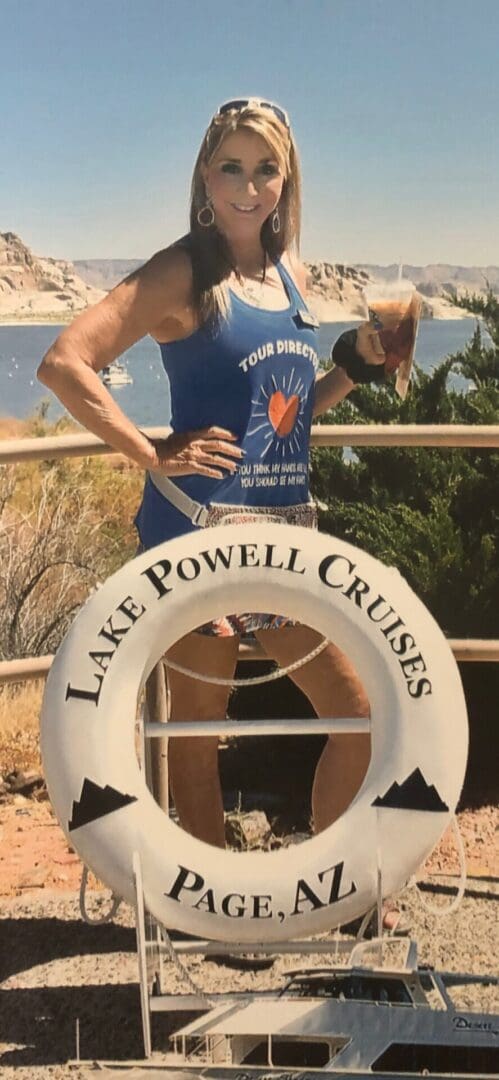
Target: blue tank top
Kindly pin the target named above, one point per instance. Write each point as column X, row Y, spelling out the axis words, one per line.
column 253, row 374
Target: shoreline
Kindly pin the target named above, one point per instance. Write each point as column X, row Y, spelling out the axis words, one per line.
column 39, row 320
column 58, row 320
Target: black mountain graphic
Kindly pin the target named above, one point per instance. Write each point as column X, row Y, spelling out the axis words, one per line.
column 95, row 802
column 413, row 794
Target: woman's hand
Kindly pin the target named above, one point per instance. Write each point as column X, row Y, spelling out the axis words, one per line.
column 358, row 357
column 210, row 451
column 368, row 344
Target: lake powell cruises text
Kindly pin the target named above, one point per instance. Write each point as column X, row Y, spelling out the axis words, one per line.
column 418, row 731
column 336, row 571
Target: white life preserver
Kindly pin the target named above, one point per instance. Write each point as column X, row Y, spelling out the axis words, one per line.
column 418, row 716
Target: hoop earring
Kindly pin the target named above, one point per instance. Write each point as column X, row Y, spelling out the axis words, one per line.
column 276, row 222
column 206, row 209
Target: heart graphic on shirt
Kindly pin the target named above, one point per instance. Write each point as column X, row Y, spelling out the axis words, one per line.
column 283, row 412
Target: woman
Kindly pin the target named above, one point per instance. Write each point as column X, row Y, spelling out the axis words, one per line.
column 226, row 305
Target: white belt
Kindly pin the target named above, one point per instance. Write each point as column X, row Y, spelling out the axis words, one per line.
column 197, row 512
column 214, row 513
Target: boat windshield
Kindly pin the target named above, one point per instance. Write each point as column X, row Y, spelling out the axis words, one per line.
column 350, row 987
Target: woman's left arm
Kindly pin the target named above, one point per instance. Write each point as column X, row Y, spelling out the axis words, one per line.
column 330, row 388
column 359, row 358
column 334, row 385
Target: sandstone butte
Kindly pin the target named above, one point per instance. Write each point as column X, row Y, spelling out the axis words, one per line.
column 36, row 289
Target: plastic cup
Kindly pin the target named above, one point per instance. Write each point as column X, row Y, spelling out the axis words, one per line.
column 394, row 309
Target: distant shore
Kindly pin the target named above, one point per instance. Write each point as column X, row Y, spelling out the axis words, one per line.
column 333, row 315
column 54, row 319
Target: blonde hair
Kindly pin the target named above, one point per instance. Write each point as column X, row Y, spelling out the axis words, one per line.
column 211, row 259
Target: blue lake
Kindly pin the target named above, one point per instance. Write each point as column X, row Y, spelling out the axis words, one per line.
column 147, row 400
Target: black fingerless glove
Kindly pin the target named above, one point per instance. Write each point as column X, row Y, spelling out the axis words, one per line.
column 345, row 355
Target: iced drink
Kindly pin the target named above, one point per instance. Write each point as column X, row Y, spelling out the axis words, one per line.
column 394, row 309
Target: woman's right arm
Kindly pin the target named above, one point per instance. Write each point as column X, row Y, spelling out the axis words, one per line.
column 159, row 290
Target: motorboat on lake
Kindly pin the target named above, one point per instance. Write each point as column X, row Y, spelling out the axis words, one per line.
column 116, row 374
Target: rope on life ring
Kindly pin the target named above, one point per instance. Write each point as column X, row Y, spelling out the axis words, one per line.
column 418, row 723
column 253, row 680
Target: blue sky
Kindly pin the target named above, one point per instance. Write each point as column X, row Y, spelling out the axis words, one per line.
column 393, row 104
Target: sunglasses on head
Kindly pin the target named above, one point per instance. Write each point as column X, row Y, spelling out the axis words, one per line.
column 243, row 103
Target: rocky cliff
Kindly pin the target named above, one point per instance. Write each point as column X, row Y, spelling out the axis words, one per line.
column 435, row 278
column 335, row 292
column 334, row 289
column 37, row 289
column 105, row 273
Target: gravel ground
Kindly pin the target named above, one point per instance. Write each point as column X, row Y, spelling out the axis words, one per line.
column 58, row 969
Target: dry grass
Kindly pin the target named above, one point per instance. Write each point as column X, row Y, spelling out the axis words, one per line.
column 11, row 428
column 75, row 516
column 20, row 705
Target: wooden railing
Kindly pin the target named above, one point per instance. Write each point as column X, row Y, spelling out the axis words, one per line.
column 85, row 445
column 436, row 435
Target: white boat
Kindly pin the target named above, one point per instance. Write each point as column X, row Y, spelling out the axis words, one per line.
column 116, row 375
column 353, row 1022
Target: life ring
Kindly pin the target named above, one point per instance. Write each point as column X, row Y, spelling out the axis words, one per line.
column 418, row 716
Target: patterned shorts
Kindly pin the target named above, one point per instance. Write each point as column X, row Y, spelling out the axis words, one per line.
column 246, row 623
column 229, row 625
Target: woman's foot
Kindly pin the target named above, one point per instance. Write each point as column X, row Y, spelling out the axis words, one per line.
column 394, row 923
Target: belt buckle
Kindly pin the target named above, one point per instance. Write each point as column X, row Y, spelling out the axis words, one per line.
column 200, row 516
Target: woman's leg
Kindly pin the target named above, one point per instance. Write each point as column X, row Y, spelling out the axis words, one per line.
column 334, row 689
column 193, row 763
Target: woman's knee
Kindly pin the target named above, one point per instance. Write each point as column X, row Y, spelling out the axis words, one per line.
column 354, row 750
column 196, row 756
column 334, row 687
column 191, row 697
column 199, row 703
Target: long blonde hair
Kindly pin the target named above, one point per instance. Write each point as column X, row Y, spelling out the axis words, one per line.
column 211, row 259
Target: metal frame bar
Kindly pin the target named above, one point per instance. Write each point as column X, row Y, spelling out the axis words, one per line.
column 345, row 726
column 141, row 939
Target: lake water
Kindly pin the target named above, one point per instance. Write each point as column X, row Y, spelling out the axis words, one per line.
column 147, row 401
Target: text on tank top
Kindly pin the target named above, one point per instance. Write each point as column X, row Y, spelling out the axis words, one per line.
column 253, row 375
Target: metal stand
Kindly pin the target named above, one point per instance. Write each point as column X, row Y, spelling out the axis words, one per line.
column 154, row 944
column 369, row 1012
column 361, row 1011
column 147, row 973
column 342, row 999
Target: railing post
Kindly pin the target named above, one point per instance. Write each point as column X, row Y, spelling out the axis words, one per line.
column 156, row 752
